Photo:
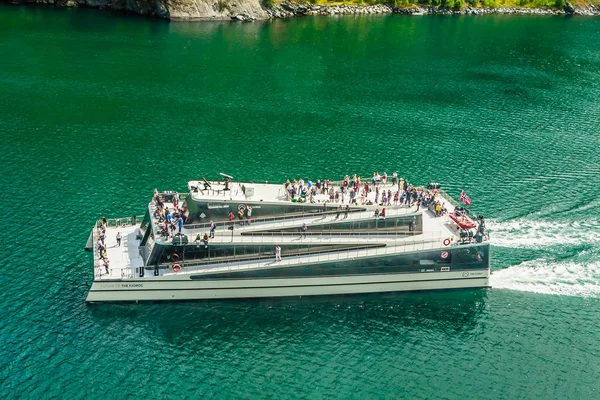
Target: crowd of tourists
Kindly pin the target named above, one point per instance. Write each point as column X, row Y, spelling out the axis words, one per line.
column 380, row 189
column 169, row 220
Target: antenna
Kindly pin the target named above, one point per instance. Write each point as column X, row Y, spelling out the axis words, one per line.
column 226, row 176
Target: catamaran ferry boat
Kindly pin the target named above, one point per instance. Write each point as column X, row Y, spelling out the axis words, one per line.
column 226, row 239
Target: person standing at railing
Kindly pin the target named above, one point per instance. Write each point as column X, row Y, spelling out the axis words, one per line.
column 277, row 253
column 303, row 230
column 205, row 240
column 213, row 228
column 176, row 199
column 100, row 247
column 249, row 213
column 119, row 239
column 106, row 263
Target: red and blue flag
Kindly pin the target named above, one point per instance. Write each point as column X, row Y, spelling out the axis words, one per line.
column 465, row 199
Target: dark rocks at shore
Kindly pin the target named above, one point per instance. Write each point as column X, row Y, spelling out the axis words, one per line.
column 243, row 17
column 287, row 9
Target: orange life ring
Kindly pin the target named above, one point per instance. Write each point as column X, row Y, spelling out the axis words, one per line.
column 446, row 242
column 175, row 257
column 176, row 267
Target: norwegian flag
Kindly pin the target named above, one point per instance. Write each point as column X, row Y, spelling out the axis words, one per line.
column 464, row 198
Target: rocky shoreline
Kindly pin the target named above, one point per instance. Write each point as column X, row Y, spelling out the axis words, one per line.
column 287, row 9
column 251, row 10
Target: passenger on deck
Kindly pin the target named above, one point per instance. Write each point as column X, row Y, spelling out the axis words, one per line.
column 346, row 211
column 303, row 230
column 231, row 216
column 249, row 213
column 205, row 240
column 213, row 228
column 382, row 214
column 277, row 253
column 198, row 240
column 377, row 212
column 376, row 178
column 119, row 239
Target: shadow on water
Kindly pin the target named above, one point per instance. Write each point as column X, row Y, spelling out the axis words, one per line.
column 451, row 312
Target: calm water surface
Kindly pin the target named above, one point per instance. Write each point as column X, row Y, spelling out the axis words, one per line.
column 97, row 109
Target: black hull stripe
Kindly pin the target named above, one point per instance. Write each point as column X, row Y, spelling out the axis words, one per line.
column 288, row 286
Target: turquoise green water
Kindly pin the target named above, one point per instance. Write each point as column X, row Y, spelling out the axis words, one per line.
column 97, row 109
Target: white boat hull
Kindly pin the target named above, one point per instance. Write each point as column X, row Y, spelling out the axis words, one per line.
column 183, row 288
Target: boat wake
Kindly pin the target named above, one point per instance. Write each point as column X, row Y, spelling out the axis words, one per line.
column 566, row 261
column 523, row 233
column 550, row 277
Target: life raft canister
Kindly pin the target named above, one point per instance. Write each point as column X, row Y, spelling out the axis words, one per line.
column 446, row 242
column 176, row 267
column 175, row 257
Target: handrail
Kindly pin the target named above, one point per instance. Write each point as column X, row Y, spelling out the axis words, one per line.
column 114, row 222
column 282, row 218
column 449, row 198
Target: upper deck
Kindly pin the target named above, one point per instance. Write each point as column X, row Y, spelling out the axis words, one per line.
column 236, row 191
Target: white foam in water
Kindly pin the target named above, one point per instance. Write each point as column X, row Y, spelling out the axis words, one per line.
column 542, row 276
column 579, row 277
column 523, row 233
